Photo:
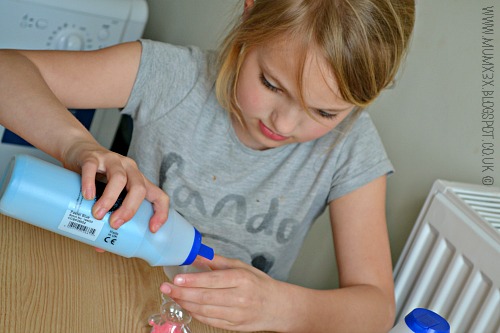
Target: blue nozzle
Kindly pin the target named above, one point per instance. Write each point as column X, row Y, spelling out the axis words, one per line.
column 206, row 252
column 198, row 249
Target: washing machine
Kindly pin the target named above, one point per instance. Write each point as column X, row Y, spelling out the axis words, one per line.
column 68, row 25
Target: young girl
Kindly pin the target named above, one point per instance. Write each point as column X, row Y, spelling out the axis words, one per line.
column 250, row 147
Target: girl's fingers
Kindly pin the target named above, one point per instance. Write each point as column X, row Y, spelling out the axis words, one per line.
column 204, row 296
column 220, row 262
column 117, row 180
column 208, row 311
column 225, row 308
column 121, row 173
column 216, row 279
column 133, row 181
column 161, row 202
column 89, row 171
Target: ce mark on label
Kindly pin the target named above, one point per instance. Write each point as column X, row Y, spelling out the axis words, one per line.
column 110, row 240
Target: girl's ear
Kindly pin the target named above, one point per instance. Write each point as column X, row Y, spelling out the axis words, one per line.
column 247, row 6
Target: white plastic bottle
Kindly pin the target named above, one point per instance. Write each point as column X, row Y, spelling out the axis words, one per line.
column 422, row 321
column 49, row 196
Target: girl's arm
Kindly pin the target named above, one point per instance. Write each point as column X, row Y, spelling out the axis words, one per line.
column 236, row 296
column 37, row 87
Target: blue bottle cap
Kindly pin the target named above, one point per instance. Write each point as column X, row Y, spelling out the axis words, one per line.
column 426, row 321
column 198, row 249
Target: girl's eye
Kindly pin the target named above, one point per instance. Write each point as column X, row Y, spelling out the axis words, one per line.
column 267, row 84
column 326, row 115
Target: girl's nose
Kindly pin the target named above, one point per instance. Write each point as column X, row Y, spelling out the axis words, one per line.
column 285, row 120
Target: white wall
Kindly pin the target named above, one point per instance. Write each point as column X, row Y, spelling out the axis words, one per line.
column 191, row 22
column 430, row 121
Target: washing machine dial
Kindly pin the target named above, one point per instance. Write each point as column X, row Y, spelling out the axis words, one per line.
column 72, row 41
column 73, row 37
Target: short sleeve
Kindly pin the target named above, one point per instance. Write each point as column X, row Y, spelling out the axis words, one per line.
column 362, row 158
column 166, row 75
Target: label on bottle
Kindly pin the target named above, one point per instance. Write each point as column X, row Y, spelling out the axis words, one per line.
column 80, row 224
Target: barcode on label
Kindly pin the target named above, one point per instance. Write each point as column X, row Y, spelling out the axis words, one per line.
column 81, row 228
column 81, row 225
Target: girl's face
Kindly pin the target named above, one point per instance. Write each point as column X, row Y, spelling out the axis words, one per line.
column 269, row 99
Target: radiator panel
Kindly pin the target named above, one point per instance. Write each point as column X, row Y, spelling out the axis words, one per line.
column 451, row 261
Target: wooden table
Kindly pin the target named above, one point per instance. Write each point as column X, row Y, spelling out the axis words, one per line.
column 52, row 284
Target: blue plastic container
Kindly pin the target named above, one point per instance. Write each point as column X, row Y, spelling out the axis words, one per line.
column 49, row 196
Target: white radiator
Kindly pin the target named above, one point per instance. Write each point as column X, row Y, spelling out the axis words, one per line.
column 451, row 261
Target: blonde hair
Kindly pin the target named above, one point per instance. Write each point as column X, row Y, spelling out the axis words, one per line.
column 363, row 42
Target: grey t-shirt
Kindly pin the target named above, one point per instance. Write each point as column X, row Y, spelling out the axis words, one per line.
column 256, row 206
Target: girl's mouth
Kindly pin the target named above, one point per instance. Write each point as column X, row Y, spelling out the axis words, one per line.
column 270, row 134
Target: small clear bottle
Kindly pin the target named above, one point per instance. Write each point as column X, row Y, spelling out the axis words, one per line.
column 171, row 319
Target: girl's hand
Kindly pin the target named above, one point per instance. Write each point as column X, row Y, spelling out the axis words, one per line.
column 93, row 160
column 234, row 296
